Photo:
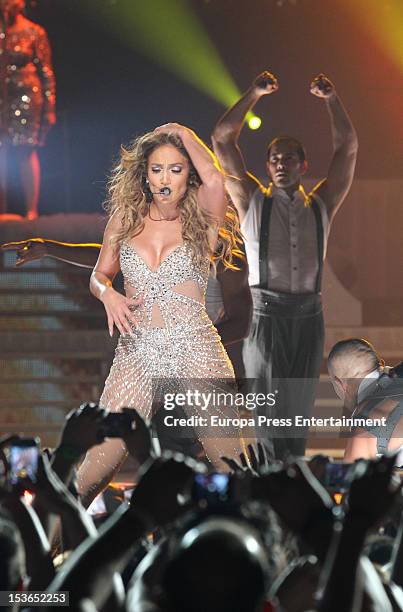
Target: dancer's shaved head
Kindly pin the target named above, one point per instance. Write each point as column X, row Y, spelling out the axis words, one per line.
column 353, row 358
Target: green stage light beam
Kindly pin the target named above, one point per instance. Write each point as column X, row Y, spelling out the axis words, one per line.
column 170, row 33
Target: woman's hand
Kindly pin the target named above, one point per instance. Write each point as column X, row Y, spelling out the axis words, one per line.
column 175, row 128
column 118, row 311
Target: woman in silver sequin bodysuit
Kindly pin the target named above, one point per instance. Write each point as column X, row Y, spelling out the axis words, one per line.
column 163, row 243
column 27, row 98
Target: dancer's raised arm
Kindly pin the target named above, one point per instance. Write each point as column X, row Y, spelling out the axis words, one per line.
column 336, row 185
column 240, row 183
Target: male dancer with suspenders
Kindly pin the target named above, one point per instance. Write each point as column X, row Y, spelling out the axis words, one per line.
column 286, row 232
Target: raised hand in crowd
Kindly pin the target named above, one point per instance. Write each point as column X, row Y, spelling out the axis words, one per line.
column 295, row 494
column 317, row 465
column 373, row 491
column 168, row 478
column 140, row 443
column 81, row 431
column 256, row 460
column 372, row 494
column 302, row 504
column 396, row 567
column 38, row 561
column 5, row 441
column 51, row 495
column 161, row 496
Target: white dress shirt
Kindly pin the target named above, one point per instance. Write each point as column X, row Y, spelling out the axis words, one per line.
column 293, row 246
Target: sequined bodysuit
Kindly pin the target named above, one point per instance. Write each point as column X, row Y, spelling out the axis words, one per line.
column 175, row 342
column 174, row 337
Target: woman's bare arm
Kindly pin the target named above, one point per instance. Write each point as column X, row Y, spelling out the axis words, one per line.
column 211, row 195
column 101, row 283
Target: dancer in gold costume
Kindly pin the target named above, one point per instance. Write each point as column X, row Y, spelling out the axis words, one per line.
column 168, row 216
column 27, row 99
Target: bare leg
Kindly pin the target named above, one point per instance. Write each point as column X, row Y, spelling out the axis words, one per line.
column 215, row 448
column 30, row 174
column 218, row 427
column 126, row 385
column 3, row 179
column 98, row 468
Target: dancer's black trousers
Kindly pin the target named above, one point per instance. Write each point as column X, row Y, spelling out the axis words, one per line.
column 285, row 343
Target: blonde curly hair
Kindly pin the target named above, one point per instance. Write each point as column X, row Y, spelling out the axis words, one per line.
column 129, row 196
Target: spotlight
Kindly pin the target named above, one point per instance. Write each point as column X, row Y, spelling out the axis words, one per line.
column 254, row 123
column 177, row 40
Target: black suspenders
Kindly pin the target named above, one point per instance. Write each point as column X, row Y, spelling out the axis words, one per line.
column 264, row 242
column 319, row 238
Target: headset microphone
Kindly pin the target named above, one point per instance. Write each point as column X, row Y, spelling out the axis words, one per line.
column 166, row 191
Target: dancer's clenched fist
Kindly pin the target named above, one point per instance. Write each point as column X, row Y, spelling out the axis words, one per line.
column 266, row 83
column 322, row 87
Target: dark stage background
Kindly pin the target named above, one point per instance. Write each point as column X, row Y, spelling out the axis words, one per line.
column 109, row 91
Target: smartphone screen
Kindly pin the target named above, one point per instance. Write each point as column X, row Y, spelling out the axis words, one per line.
column 23, row 460
column 336, row 476
column 211, row 487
